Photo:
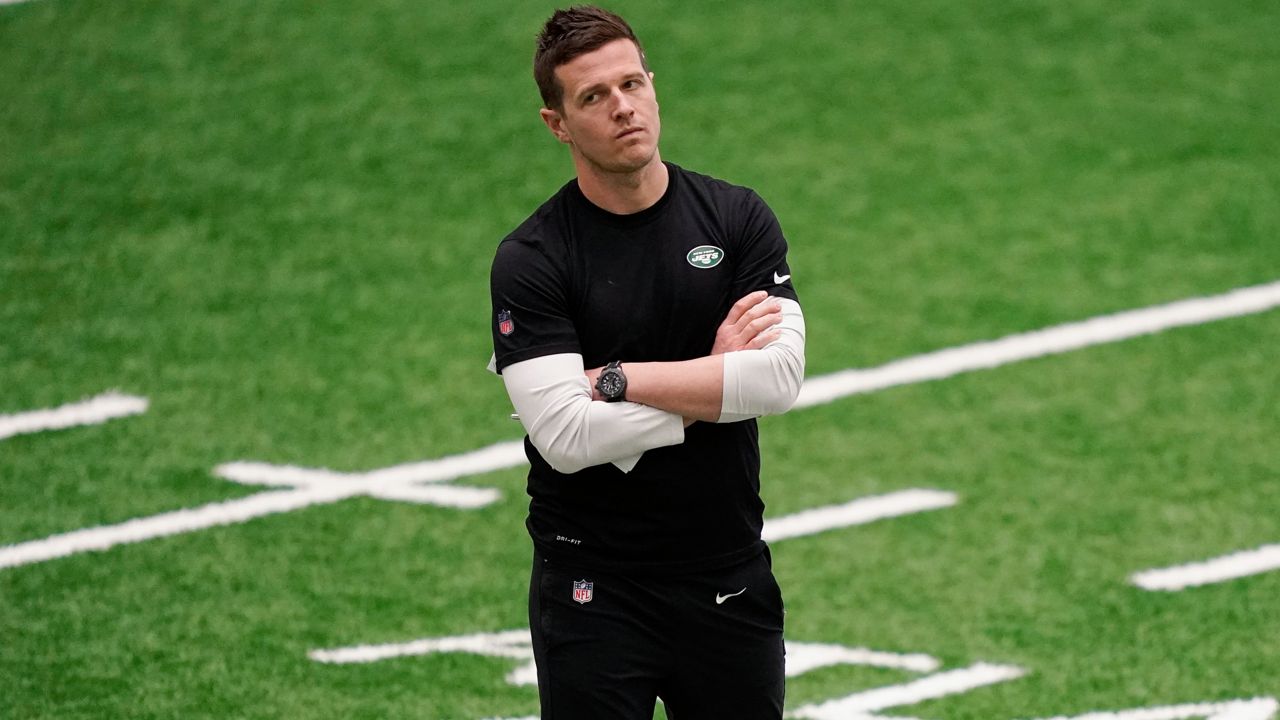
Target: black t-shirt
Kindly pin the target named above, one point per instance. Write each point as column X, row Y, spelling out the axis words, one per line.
column 650, row 286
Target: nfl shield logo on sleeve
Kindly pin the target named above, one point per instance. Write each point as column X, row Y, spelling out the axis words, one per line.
column 506, row 325
column 583, row 590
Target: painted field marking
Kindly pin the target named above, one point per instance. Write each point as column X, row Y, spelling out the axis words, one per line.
column 1209, row 572
column 856, row 512
column 94, row 411
column 859, row 706
column 805, row 657
column 518, row 645
column 1255, row 709
column 816, row 391
column 1039, row 343
column 512, row 644
column 414, row 482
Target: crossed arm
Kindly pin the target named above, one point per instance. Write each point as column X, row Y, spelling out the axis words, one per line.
column 755, row 368
column 695, row 389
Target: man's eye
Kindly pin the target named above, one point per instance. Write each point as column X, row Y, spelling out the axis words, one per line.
column 591, row 98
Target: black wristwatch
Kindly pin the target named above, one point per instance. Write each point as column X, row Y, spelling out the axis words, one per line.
column 612, row 383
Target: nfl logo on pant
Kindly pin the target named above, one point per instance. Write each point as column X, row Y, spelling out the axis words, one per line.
column 583, row 591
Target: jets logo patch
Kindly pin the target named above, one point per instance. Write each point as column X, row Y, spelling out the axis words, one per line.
column 705, row 256
column 506, row 325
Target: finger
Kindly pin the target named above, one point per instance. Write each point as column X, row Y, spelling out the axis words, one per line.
column 747, row 302
column 760, row 324
column 766, row 305
column 764, row 308
column 764, row 339
column 743, row 306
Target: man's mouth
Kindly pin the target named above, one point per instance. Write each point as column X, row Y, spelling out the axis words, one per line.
column 629, row 131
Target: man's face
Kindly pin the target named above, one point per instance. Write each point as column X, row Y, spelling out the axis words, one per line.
column 609, row 115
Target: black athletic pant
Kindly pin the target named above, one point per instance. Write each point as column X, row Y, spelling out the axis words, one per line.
column 708, row 644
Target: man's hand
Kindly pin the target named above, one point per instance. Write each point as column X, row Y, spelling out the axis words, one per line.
column 593, row 375
column 746, row 327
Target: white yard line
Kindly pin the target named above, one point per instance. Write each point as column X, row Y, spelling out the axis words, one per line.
column 931, row 687
column 1219, row 569
column 856, row 512
column 170, row 523
column 94, row 411
column 518, row 645
column 1255, row 709
column 404, row 482
column 1049, row 341
column 306, row 487
column 515, row 644
column 303, row 488
column 803, row 657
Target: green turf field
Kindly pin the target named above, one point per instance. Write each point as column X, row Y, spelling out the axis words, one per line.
column 274, row 220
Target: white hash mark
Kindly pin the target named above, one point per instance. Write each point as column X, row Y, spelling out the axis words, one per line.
column 94, row 411
column 1209, row 572
column 1039, row 343
column 1254, row 709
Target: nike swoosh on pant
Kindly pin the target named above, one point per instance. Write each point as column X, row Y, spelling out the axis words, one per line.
column 721, row 598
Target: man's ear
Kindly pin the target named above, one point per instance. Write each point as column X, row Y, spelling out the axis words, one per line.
column 555, row 123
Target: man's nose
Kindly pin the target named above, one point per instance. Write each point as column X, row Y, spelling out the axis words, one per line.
column 622, row 106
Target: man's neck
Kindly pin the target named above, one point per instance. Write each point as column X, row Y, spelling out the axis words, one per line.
column 623, row 193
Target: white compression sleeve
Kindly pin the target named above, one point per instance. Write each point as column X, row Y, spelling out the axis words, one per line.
column 553, row 397
column 766, row 381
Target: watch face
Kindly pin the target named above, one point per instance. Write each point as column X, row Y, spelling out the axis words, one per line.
column 611, row 384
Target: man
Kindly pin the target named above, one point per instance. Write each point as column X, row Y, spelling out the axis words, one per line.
column 643, row 318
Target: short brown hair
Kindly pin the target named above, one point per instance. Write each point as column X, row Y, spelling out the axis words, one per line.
column 570, row 33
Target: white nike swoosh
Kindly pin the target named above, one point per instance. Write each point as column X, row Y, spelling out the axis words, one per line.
column 721, row 598
column 779, row 279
